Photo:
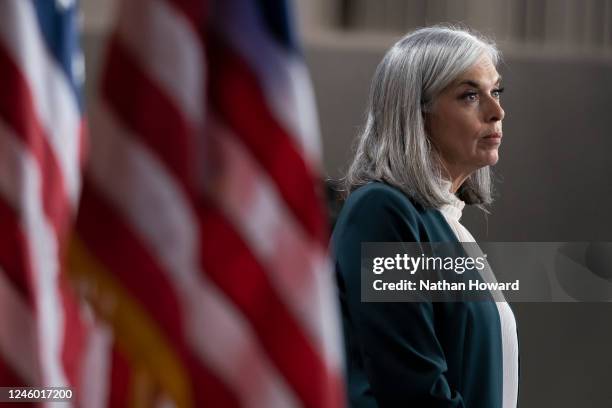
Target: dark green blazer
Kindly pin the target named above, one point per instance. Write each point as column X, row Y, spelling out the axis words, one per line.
column 428, row 354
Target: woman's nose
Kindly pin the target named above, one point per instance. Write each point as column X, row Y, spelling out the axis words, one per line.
column 495, row 112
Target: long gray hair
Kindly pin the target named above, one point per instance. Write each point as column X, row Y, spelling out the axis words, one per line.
column 393, row 146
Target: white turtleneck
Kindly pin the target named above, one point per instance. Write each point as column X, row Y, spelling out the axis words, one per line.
column 452, row 213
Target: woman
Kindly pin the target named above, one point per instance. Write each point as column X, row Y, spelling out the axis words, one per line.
column 434, row 126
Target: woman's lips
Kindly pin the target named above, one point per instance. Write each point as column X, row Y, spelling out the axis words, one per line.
column 492, row 139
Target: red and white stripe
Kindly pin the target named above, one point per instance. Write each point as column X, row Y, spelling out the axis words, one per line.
column 151, row 30
column 283, row 76
column 297, row 264
column 54, row 106
column 213, row 328
column 21, row 186
column 18, row 349
column 233, row 240
column 95, row 368
column 40, row 156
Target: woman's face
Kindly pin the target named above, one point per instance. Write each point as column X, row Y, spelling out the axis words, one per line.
column 465, row 122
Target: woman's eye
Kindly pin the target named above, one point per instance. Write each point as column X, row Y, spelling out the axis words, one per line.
column 470, row 96
column 497, row 93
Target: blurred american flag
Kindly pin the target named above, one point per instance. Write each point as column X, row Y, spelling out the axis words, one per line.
column 200, row 241
column 42, row 335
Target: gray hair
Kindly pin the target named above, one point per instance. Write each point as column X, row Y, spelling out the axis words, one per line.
column 393, row 147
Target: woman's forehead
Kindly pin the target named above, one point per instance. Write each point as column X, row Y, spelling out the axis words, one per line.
column 482, row 73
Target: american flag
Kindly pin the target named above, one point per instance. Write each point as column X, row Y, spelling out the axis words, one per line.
column 42, row 335
column 201, row 236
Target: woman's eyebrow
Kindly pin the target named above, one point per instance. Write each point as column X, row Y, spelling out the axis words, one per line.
column 470, row 83
column 475, row 84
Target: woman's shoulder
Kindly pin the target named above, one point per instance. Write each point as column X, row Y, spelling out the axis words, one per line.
column 375, row 212
column 377, row 206
column 380, row 197
column 383, row 212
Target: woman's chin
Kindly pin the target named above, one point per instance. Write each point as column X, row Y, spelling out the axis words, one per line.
column 490, row 158
column 493, row 161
